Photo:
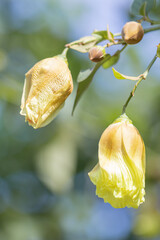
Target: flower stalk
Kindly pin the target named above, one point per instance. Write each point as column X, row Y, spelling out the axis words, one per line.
column 146, row 30
column 142, row 77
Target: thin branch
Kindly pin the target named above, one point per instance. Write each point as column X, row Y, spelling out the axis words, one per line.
column 154, row 28
column 119, row 41
column 146, row 30
column 142, row 77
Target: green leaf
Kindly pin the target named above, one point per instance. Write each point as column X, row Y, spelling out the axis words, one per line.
column 85, row 78
column 83, row 75
column 103, row 34
column 83, row 83
column 85, row 44
column 142, row 10
column 158, row 50
column 139, row 6
column 122, row 76
column 111, row 61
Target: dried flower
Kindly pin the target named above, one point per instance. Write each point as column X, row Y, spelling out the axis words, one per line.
column 120, row 174
column 47, row 85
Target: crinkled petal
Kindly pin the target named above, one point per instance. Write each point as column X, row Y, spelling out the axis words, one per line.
column 47, row 85
column 118, row 194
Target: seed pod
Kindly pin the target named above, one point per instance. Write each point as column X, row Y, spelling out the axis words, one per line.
column 119, row 175
column 132, row 32
column 47, row 85
column 96, row 54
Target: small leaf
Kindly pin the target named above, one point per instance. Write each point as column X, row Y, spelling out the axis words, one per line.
column 110, row 37
column 117, row 74
column 122, row 76
column 137, row 7
column 82, row 86
column 103, row 34
column 158, row 50
column 111, row 61
column 84, row 44
column 83, row 75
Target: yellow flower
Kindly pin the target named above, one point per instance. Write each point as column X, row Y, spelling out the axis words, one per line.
column 120, row 174
column 47, row 85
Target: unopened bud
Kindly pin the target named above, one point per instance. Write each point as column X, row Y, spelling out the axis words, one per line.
column 132, row 32
column 96, row 54
column 119, row 175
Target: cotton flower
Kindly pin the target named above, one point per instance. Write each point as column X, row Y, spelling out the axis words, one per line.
column 47, row 85
column 119, row 175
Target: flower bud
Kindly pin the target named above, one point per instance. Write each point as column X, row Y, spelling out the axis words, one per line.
column 120, row 174
column 96, row 54
column 47, row 85
column 132, row 32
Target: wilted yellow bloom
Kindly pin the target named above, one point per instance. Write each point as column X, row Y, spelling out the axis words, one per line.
column 120, row 174
column 47, row 85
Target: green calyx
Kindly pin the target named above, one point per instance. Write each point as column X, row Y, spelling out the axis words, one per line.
column 123, row 118
column 63, row 55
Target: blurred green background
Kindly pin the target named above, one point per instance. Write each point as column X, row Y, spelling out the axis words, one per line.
column 45, row 192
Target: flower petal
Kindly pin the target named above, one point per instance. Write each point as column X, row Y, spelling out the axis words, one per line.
column 48, row 83
column 120, row 174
